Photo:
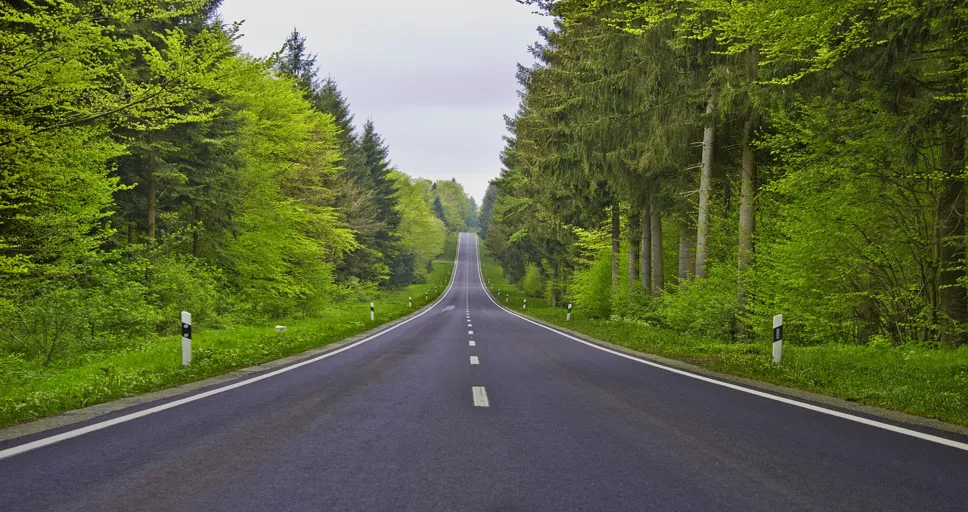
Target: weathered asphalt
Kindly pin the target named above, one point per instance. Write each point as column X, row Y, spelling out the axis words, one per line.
column 391, row 425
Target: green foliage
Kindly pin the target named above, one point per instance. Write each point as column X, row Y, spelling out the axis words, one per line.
column 809, row 158
column 592, row 287
column 533, row 283
column 704, row 307
column 421, row 232
column 147, row 166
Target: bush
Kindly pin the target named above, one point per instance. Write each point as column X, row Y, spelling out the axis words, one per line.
column 704, row 307
column 533, row 283
column 183, row 283
column 592, row 287
column 46, row 327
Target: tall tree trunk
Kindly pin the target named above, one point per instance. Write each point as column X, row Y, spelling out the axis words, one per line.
column 152, row 192
column 951, row 234
column 645, row 248
column 554, row 284
column 705, row 183
column 747, row 213
column 195, row 239
column 633, row 249
column 616, row 223
column 686, row 262
column 657, row 278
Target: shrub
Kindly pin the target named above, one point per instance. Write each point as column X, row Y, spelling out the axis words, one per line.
column 704, row 307
column 45, row 327
column 592, row 287
column 533, row 283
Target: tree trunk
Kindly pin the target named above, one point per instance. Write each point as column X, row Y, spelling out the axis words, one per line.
column 686, row 262
column 951, row 235
column 657, row 270
column 705, row 179
column 152, row 193
column 633, row 249
column 195, row 239
column 554, row 284
column 747, row 212
column 616, row 223
column 645, row 248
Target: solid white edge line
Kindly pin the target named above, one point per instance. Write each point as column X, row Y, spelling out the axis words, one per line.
column 789, row 401
column 40, row 443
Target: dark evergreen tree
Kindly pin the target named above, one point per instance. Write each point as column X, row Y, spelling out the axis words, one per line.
column 438, row 208
column 487, row 207
column 296, row 61
column 330, row 99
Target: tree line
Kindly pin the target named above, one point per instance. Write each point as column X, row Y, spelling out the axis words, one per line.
column 148, row 165
column 706, row 164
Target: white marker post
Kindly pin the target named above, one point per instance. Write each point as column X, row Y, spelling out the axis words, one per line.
column 410, row 302
column 569, row 313
column 371, row 311
column 777, row 338
column 426, row 295
column 505, row 299
column 525, row 304
column 186, row 319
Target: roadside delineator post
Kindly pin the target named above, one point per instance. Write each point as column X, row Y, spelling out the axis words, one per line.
column 410, row 302
column 569, row 313
column 186, row 321
column 777, row 338
column 371, row 311
column 506, row 299
column 525, row 304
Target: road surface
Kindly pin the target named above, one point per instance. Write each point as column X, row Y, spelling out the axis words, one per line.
column 469, row 407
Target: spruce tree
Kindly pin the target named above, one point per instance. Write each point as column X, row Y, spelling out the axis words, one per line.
column 296, row 61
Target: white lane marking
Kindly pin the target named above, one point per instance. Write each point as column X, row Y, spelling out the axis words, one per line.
column 471, row 343
column 480, row 397
column 470, row 332
column 475, row 360
column 33, row 445
column 762, row 394
column 469, row 325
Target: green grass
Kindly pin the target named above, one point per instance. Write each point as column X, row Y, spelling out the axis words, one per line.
column 927, row 382
column 29, row 391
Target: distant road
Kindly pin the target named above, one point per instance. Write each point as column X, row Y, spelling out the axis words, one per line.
column 470, row 407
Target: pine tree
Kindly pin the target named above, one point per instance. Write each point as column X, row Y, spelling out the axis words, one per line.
column 438, row 207
column 330, row 100
column 296, row 61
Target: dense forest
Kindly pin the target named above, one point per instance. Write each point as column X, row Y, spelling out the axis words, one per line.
column 149, row 166
column 703, row 165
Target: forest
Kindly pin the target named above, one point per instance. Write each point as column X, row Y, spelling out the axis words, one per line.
column 703, row 165
column 149, row 166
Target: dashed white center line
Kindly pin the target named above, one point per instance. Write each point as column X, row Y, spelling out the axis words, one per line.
column 480, row 397
column 469, row 325
column 472, row 343
column 470, row 332
column 475, row 360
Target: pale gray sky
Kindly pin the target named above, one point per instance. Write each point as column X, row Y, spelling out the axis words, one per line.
column 436, row 76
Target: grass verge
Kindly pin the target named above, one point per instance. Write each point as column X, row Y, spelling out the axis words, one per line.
column 29, row 392
column 928, row 382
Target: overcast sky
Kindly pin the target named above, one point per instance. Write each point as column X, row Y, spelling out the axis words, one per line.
column 436, row 76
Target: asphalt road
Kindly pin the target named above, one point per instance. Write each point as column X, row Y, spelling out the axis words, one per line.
column 512, row 417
